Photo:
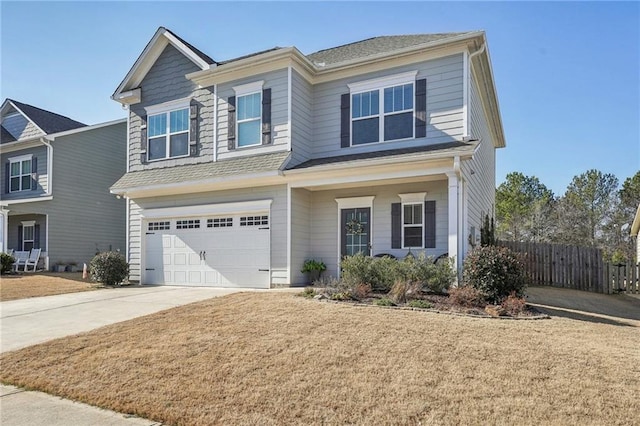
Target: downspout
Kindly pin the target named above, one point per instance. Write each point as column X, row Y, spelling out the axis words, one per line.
column 47, row 143
column 467, row 85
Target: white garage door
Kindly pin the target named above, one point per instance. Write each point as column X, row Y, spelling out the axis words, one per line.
column 223, row 251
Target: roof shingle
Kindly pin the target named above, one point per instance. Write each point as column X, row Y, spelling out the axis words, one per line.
column 48, row 121
column 373, row 46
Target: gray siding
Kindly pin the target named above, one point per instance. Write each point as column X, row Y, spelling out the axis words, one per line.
column 83, row 216
column 444, row 107
column 481, row 184
column 20, row 127
column 39, row 152
column 166, row 82
column 300, row 233
column 278, row 222
column 301, row 119
column 15, row 221
column 277, row 81
column 324, row 219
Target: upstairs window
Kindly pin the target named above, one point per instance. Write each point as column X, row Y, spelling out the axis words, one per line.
column 168, row 134
column 249, row 119
column 20, row 174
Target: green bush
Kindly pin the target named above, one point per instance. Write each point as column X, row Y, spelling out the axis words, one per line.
column 361, row 269
column 109, row 268
column 495, row 271
column 384, row 302
column 419, row 303
column 6, row 263
column 308, row 292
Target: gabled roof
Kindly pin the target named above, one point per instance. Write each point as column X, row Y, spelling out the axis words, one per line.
column 6, row 136
column 374, row 46
column 47, row 121
column 152, row 51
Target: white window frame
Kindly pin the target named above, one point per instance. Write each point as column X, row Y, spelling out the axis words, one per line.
column 242, row 91
column 166, row 109
column 379, row 84
column 32, row 225
column 21, row 159
column 413, row 199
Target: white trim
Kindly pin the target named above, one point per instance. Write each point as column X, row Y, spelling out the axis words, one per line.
column 215, row 123
column 128, row 153
column 412, row 225
column 377, row 83
column 289, row 244
column 413, row 198
column 355, row 202
column 28, row 222
column 23, row 114
column 52, row 136
column 168, row 106
column 46, row 242
column 186, row 51
column 129, row 97
column 20, row 158
column 128, row 232
column 207, row 209
column 25, row 200
column 249, row 88
column 289, row 103
column 248, row 120
column 49, row 165
column 452, row 199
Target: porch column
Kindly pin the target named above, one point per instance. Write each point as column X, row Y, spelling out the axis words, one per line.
column 4, row 217
column 453, row 218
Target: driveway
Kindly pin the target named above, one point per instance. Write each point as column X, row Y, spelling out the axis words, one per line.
column 29, row 321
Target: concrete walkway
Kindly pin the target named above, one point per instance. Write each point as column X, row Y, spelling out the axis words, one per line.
column 27, row 322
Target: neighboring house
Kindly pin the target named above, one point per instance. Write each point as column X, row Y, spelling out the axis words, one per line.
column 635, row 230
column 55, row 184
column 240, row 170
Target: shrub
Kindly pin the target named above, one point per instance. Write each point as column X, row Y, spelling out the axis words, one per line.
column 467, row 296
column 313, row 265
column 514, row 305
column 444, row 274
column 6, row 263
column 361, row 291
column 495, row 271
column 384, row 302
column 341, row 295
column 419, row 303
column 308, row 292
column 402, row 290
column 109, row 268
column 422, row 269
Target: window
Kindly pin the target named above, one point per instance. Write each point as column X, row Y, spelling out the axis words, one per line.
column 168, row 134
column 159, row 226
column 412, row 225
column 222, row 222
column 188, row 224
column 254, row 220
column 28, row 235
column 20, row 173
column 249, row 119
column 383, row 109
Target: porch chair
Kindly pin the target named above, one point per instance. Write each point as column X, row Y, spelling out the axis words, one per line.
column 21, row 258
column 33, row 259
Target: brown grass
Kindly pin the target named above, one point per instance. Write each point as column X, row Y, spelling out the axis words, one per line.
column 26, row 285
column 268, row 358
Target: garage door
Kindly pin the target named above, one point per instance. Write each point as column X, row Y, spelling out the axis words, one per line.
column 218, row 251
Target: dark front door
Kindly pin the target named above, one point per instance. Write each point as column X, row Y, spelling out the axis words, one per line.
column 355, row 234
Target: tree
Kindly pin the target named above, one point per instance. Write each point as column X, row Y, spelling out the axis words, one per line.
column 523, row 208
column 585, row 210
column 617, row 239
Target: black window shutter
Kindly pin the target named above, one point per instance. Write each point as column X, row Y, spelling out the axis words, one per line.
column 266, row 116
column 7, row 177
column 143, row 139
column 231, row 123
column 193, row 128
column 343, row 232
column 396, row 225
column 429, row 224
column 345, row 120
column 34, row 173
column 20, row 238
column 421, row 108
column 36, row 236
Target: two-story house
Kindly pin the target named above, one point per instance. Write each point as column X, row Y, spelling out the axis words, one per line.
column 239, row 170
column 55, row 185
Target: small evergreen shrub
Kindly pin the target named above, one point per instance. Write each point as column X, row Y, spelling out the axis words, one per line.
column 308, row 292
column 384, row 302
column 341, row 295
column 514, row 305
column 6, row 263
column 109, row 268
column 467, row 296
column 495, row 271
column 418, row 303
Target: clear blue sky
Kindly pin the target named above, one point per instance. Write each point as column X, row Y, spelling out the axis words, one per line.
column 567, row 74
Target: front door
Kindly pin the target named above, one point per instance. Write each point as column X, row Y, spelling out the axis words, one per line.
column 355, row 234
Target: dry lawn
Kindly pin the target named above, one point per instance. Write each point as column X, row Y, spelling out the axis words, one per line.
column 274, row 358
column 26, row 285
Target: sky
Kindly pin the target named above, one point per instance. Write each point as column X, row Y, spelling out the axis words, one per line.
column 567, row 73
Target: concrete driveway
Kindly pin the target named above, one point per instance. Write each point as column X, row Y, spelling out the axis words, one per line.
column 29, row 321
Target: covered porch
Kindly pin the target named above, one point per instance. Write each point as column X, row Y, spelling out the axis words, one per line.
column 26, row 231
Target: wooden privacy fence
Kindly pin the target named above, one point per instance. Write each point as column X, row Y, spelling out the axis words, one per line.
column 579, row 268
